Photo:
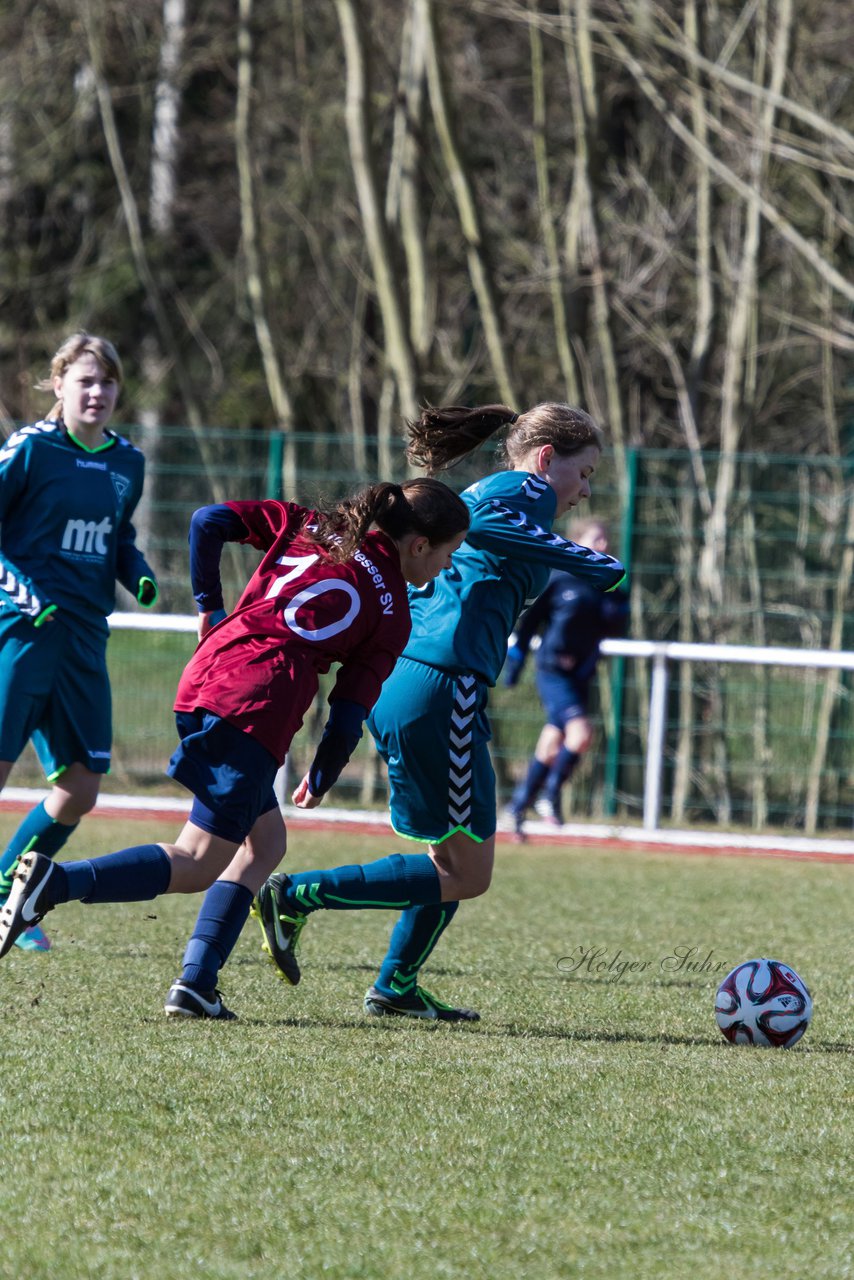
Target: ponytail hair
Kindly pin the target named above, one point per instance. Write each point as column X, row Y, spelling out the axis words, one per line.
column 441, row 437
column 422, row 506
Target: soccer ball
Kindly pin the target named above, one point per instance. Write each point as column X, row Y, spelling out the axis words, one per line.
column 763, row 1002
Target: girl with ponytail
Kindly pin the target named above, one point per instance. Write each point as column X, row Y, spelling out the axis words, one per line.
column 331, row 588
column 430, row 723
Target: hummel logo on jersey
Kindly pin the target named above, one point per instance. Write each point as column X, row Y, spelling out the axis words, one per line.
column 90, row 465
column 85, row 537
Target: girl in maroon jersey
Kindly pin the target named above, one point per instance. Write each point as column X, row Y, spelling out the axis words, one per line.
column 331, row 587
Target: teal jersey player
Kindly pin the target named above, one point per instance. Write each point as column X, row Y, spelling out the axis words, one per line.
column 68, row 490
column 65, row 526
column 462, row 621
column 430, row 723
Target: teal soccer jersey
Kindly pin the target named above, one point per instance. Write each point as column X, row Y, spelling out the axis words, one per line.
column 65, row 525
column 65, row 538
column 462, row 620
column 430, row 723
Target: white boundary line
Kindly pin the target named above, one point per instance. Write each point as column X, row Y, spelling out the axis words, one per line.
column 592, row 833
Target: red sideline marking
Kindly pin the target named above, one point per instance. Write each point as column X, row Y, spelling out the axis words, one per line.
column 381, row 827
column 135, row 815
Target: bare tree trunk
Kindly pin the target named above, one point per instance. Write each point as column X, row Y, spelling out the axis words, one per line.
column 740, row 325
column 583, row 246
column 833, row 679
column 165, row 138
column 8, row 168
column 469, row 214
column 398, row 349
column 701, row 342
column 541, row 161
column 686, row 736
column 132, row 219
column 761, row 749
column 403, row 203
column 355, row 371
column 256, row 273
column 167, row 103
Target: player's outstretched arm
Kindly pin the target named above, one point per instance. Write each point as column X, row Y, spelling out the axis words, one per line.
column 508, row 531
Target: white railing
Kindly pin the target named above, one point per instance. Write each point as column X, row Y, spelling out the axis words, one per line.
column 663, row 652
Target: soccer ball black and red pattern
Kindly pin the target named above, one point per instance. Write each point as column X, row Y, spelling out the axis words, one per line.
column 763, row 1002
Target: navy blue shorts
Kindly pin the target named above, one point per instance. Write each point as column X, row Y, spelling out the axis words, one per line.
column 563, row 697
column 230, row 774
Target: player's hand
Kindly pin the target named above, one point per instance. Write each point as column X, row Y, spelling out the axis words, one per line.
column 147, row 592
column 209, row 620
column 302, row 797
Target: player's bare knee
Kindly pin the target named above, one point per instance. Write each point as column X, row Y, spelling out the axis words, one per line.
column 579, row 736
column 548, row 744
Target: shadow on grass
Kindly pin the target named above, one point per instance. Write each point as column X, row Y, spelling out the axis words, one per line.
column 512, row 1031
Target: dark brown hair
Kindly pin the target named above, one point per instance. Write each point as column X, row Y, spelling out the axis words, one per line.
column 440, row 437
column 422, row 506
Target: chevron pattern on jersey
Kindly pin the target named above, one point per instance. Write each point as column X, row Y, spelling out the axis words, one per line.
column 533, row 487
column 24, row 600
column 15, row 440
column 459, row 777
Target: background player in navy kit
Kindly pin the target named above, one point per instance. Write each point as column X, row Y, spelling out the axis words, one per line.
column 572, row 618
column 68, row 489
column 430, row 722
column 330, row 588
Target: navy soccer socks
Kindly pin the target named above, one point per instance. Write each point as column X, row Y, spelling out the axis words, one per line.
column 529, row 788
column 223, row 914
column 561, row 771
column 131, row 875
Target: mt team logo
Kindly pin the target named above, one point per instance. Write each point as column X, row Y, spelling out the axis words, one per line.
column 86, row 538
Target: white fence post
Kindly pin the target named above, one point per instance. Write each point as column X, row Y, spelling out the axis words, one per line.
column 655, row 743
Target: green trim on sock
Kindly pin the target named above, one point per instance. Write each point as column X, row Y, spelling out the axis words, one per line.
column 431, row 944
column 403, row 986
column 369, row 902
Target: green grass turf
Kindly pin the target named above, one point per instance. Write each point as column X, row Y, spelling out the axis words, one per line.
column 591, row 1124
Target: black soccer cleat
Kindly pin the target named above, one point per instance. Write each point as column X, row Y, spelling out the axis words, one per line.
column 30, row 898
column 281, row 928
column 184, row 1001
column 419, row 1004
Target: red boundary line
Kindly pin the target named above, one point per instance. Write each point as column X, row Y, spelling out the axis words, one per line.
column 381, row 828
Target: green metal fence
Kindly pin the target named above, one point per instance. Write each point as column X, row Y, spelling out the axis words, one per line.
column 745, row 747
